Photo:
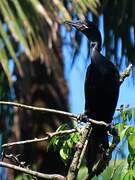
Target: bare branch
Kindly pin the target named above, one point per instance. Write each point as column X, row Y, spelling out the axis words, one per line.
column 35, row 140
column 14, row 158
column 100, row 123
column 73, row 116
column 34, row 108
column 75, row 165
column 125, row 73
column 32, row 173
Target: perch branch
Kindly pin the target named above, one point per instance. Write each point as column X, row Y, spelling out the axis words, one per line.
column 34, row 108
column 100, row 123
column 35, row 140
column 75, row 165
column 32, row 173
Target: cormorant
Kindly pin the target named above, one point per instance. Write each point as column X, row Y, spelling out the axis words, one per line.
column 101, row 90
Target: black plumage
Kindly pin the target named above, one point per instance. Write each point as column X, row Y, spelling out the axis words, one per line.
column 101, row 90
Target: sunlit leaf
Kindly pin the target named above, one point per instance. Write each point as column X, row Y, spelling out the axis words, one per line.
column 63, row 153
column 10, row 47
column 131, row 143
column 123, row 133
column 5, row 65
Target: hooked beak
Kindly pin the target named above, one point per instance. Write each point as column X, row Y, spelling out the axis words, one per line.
column 79, row 25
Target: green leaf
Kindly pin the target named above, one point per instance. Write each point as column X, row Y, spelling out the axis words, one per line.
column 62, row 127
column 75, row 137
column 64, row 154
column 14, row 26
column 5, row 65
column 59, row 141
column 120, row 127
column 70, row 143
column 133, row 172
column 10, row 47
column 124, row 116
column 123, row 133
column 131, row 143
column 130, row 175
column 83, row 172
column 129, row 114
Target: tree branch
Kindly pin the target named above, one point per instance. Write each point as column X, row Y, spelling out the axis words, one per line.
column 34, row 108
column 75, row 165
column 15, row 159
column 49, row 136
column 32, row 173
column 125, row 73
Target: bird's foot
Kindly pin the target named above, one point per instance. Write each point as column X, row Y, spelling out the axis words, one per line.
column 82, row 118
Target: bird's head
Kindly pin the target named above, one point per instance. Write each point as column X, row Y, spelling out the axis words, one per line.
column 89, row 29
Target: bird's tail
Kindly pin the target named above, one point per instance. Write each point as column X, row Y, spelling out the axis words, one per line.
column 97, row 147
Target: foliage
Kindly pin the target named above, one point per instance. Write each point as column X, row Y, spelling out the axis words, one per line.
column 64, row 144
column 127, row 130
column 123, row 169
column 120, row 169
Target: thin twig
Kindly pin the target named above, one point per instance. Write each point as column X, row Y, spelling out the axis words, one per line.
column 35, row 140
column 14, row 159
column 33, row 173
column 75, row 165
column 34, row 108
column 125, row 73
column 100, row 123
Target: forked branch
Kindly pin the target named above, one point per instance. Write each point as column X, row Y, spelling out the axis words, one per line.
column 36, row 140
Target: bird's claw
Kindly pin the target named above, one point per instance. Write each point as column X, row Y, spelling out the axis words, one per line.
column 82, row 117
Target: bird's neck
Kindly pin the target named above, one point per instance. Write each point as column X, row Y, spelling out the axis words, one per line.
column 96, row 40
column 95, row 45
column 94, row 50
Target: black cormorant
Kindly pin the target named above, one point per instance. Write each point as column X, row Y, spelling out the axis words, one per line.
column 101, row 90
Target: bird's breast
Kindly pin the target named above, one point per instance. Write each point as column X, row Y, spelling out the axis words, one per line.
column 101, row 91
